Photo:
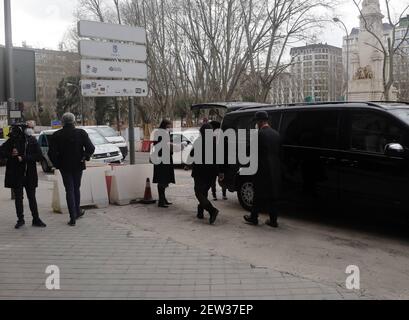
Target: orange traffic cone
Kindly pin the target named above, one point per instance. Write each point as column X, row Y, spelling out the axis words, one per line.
column 148, row 199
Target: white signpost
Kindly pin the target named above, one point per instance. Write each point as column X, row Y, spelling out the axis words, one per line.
column 113, row 69
column 108, row 31
column 112, row 50
column 123, row 49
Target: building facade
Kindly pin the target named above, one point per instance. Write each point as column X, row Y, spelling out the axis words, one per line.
column 318, row 71
column 51, row 68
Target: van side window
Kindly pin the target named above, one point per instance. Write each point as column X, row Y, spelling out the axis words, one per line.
column 371, row 132
column 318, row 129
column 247, row 122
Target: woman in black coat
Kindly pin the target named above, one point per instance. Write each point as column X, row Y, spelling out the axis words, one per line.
column 22, row 152
column 164, row 173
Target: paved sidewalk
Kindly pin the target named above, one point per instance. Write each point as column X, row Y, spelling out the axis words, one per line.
column 102, row 259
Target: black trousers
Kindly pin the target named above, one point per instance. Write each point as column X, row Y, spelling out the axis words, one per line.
column 264, row 205
column 72, row 184
column 162, row 193
column 214, row 189
column 202, row 188
column 31, row 196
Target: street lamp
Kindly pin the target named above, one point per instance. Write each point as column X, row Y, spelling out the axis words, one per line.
column 81, row 100
column 337, row 20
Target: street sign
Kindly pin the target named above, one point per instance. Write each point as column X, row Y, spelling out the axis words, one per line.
column 56, row 124
column 15, row 114
column 114, row 88
column 99, row 30
column 112, row 50
column 112, row 69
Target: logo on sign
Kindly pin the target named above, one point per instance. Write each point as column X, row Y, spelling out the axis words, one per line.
column 115, row 48
column 113, row 69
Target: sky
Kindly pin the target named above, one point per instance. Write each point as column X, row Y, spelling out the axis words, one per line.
column 43, row 23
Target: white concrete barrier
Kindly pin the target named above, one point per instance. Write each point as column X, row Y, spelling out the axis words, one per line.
column 93, row 189
column 129, row 182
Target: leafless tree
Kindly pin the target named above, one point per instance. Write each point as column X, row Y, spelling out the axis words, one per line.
column 209, row 50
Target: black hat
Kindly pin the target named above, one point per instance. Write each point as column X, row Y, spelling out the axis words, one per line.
column 261, row 116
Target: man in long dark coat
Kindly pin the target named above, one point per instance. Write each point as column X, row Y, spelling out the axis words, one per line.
column 204, row 175
column 267, row 181
column 22, row 152
column 70, row 148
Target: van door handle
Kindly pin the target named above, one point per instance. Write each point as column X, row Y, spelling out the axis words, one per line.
column 350, row 163
column 328, row 160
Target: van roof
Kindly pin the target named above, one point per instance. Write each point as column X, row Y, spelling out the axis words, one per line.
column 229, row 106
column 385, row 105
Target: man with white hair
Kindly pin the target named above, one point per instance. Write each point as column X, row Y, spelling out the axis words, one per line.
column 69, row 149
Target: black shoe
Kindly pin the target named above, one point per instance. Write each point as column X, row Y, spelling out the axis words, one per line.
column 251, row 220
column 82, row 213
column 38, row 223
column 168, row 203
column 72, row 223
column 225, row 198
column 213, row 216
column 200, row 213
column 273, row 224
column 215, row 197
column 162, row 205
column 19, row 224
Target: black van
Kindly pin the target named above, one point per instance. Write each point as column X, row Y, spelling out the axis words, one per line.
column 337, row 153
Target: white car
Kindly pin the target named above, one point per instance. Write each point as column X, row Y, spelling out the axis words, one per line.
column 184, row 141
column 112, row 136
column 105, row 152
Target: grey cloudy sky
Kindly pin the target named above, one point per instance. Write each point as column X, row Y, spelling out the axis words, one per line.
column 43, row 23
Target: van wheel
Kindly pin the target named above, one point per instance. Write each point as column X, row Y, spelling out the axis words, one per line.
column 44, row 165
column 246, row 195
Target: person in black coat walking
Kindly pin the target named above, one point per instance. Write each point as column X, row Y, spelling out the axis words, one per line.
column 217, row 127
column 164, row 173
column 69, row 149
column 22, row 152
column 204, row 175
column 267, row 181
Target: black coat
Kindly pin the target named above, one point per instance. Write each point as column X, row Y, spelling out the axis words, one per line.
column 164, row 174
column 69, row 148
column 19, row 174
column 203, row 171
column 267, row 181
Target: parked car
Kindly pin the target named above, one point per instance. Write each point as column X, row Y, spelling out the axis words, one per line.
column 184, row 141
column 105, row 152
column 113, row 137
column 353, row 154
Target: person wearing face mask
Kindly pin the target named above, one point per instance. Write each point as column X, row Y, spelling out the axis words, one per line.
column 164, row 173
column 22, row 152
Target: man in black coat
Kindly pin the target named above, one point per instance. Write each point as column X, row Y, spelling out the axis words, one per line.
column 204, row 174
column 22, row 152
column 267, row 181
column 69, row 149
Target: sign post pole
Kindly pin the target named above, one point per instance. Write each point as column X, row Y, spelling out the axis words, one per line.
column 131, row 130
column 9, row 60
